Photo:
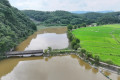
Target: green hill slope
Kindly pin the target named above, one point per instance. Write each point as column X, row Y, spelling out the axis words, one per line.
column 64, row 17
column 14, row 26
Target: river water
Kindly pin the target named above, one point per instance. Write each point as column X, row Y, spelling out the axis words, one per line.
column 50, row 37
column 68, row 67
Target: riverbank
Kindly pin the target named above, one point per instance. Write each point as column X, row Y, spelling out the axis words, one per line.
column 44, row 27
column 103, row 68
column 91, row 61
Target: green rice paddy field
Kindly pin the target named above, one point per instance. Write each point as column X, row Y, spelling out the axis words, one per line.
column 101, row 40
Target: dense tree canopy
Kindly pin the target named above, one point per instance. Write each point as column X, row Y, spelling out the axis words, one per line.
column 64, row 17
column 14, row 26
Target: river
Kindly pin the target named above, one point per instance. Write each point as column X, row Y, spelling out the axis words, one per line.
column 68, row 67
column 44, row 38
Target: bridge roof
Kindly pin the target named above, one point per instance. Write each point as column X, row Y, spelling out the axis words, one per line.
column 24, row 52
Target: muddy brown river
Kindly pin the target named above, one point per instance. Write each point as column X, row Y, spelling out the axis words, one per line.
column 50, row 37
column 68, row 67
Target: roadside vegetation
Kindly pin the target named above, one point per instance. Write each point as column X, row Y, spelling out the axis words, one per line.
column 102, row 41
column 74, row 42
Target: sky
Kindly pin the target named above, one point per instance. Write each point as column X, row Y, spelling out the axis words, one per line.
column 67, row 5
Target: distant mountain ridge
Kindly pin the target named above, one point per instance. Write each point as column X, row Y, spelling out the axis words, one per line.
column 65, row 17
column 83, row 12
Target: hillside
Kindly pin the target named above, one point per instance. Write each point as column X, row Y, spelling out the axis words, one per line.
column 65, row 18
column 14, row 26
column 103, row 41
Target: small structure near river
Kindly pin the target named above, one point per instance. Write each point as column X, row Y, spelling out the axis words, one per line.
column 25, row 53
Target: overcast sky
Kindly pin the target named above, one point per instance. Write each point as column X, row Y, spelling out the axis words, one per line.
column 67, row 5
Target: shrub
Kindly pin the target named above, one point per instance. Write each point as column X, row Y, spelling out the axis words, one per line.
column 97, row 59
column 2, row 57
column 83, row 24
column 49, row 49
column 46, row 51
column 79, row 25
column 89, row 55
column 69, row 27
column 73, row 43
column 83, row 51
column 77, row 40
column 75, row 27
column 76, row 46
column 109, row 61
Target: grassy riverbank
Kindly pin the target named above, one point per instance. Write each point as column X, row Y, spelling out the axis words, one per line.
column 103, row 41
column 43, row 27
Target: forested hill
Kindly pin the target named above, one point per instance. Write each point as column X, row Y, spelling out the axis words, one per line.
column 14, row 26
column 64, row 17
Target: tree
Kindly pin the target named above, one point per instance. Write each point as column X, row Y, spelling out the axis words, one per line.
column 79, row 26
column 89, row 55
column 5, row 2
column 109, row 61
column 83, row 51
column 69, row 27
column 46, row 51
column 14, row 27
column 77, row 40
column 49, row 49
column 76, row 46
column 73, row 43
column 65, row 21
column 70, row 35
column 97, row 59
column 75, row 27
column 83, row 24
column 64, row 17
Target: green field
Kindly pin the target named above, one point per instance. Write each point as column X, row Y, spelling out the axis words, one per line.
column 101, row 40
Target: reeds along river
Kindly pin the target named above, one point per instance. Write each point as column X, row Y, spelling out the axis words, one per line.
column 68, row 67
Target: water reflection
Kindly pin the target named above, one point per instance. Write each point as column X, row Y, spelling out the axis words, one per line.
column 87, row 66
column 37, row 36
column 94, row 70
column 82, row 63
column 24, row 44
column 55, row 68
column 46, row 59
column 7, row 65
column 107, row 73
column 43, row 41
column 118, row 77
